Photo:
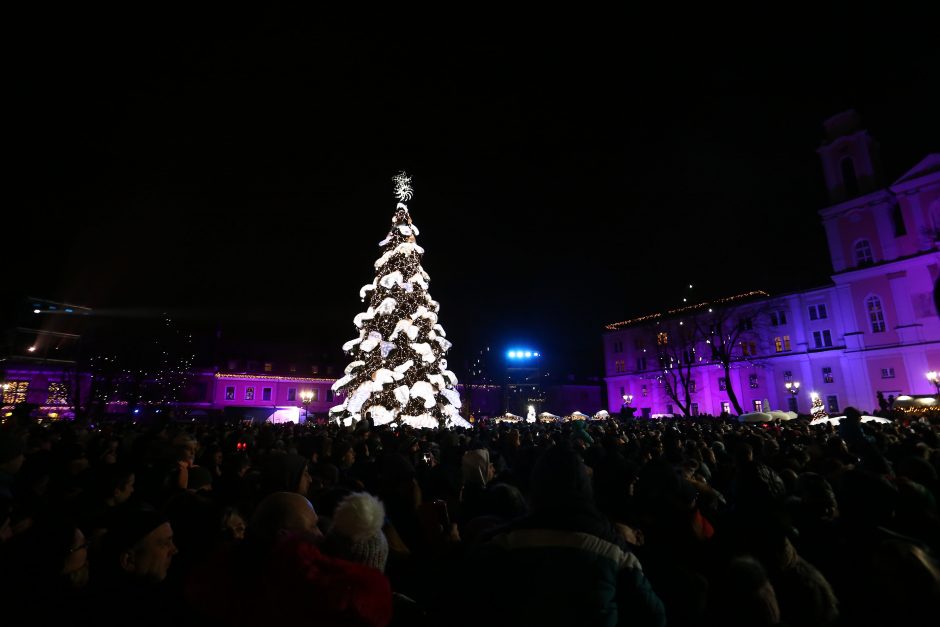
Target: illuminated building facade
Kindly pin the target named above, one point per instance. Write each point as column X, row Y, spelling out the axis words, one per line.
column 873, row 330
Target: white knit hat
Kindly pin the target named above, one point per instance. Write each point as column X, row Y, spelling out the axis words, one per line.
column 356, row 532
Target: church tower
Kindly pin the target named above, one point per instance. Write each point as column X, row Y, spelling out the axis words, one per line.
column 849, row 158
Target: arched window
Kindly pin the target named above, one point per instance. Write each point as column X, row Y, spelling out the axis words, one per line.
column 849, row 179
column 875, row 314
column 863, row 254
column 897, row 219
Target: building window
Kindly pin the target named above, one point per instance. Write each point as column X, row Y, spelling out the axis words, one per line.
column 725, row 407
column 758, row 405
column 691, row 385
column 748, row 348
column 777, row 318
column 849, row 178
column 827, row 375
column 822, row 339
column 620, row 365
column 786, row 342
column 752, row 381
column 693, row 409
column 292, row 367
column 641, row 363
column 314, row 369
column 787, row 376
column 268, row 366
column 778, row 344
column 315, row 394
column 722, row 384
column 746, row 324
column 249, row 393
column 58, row 393
column 622, row 392
column 863, row 256
column 292, row 394
column 887, row 373
column 230, row 393
column 875, row 314
column 662, row 338
column 618, row 346
column 266, row 394
column 15, row 392
column 897, row 219
column 643, row 390
column 329, row 371
column 637, row 343
column 818, row 312
column 832, row 404
column 329, row 394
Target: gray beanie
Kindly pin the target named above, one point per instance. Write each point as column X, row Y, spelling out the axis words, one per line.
column 356, row 532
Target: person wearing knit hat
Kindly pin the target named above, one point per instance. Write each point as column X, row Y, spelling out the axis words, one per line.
column 356, row 533
column 139, row 545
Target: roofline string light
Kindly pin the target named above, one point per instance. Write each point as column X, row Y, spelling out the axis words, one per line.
column 623, row 323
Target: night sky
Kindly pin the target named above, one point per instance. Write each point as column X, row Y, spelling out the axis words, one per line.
column 235, row 166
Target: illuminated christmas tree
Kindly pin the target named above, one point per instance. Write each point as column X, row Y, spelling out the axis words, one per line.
column 817, row 410
column 398, row 373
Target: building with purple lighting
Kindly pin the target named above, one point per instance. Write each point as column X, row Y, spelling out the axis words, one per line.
column 874, row 329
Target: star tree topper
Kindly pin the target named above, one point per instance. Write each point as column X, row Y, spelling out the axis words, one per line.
column 403, row 189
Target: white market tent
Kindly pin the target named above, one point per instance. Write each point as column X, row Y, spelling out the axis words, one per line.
column 913, row 402
column 576, row 415
column 834, row 420
column 602, row 415
column 509, row 417
column 756, row 416
column 548, row 417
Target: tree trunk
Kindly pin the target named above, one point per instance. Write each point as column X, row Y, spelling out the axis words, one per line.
column 730, row 389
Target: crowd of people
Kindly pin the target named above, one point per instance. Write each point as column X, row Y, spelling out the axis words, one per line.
column 670, row 522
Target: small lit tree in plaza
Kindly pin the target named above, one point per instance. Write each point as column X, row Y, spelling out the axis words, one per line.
column 817, row 410
column 398, row 373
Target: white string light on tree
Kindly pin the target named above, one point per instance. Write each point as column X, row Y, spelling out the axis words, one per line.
column 398, row 373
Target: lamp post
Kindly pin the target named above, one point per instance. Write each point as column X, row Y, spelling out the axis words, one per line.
column 305, row 397
column 934, row 377
column 626, row 411
column 793, row 387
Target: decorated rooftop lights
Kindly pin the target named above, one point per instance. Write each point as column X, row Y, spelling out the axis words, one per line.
column 398, row 373
column 690, row 308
